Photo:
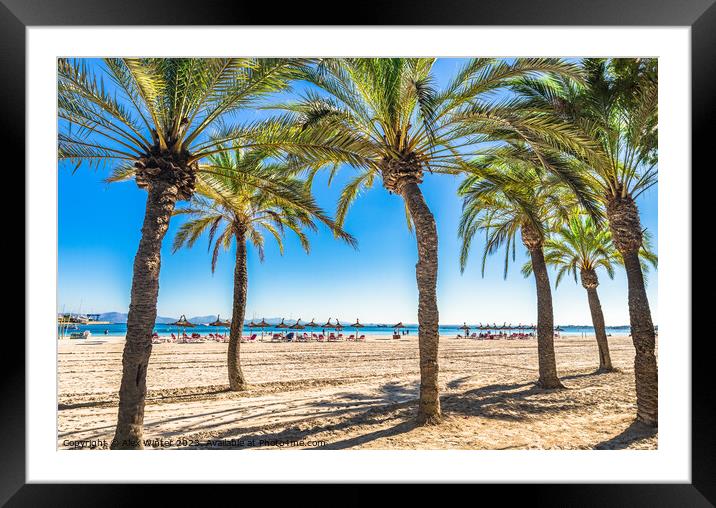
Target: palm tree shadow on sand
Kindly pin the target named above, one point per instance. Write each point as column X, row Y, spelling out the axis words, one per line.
column 395, row 406
column 635, row 432
column 391, row 412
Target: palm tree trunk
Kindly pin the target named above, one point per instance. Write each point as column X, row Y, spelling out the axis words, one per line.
column 426, row 272
column 237, row 381
column 625, row 227
column 595, row 307
column 545, row 322
column 643, row 337
column 161, row 199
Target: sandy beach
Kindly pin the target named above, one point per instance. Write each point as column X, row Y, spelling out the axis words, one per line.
column 356, row 395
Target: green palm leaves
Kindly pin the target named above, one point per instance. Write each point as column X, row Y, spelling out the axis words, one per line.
column 248, row 192
column 616, row 105
column 579, row 245
column 508, row 191
column 386, row 117
column 130, row 109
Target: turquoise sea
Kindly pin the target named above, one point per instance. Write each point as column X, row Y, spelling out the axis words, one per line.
column 120, row 330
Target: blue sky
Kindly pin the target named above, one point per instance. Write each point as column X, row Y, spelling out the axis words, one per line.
column 99, row 229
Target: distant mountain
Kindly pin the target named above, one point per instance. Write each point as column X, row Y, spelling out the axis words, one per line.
column 202, row 320
column 121, row 317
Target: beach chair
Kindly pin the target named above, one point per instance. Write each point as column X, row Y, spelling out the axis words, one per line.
column 320, row 338
column 332, row 337
column 396, row 336
column 351, row 338
column 361, row 338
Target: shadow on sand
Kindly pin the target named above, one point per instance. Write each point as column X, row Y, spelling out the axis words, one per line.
column 635, row 432
column 367, row 417
column 395, row 406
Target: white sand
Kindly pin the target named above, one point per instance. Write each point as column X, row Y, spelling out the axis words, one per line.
column 359, row 395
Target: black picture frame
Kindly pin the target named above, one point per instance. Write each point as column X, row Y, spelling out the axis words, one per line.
column 700, row 15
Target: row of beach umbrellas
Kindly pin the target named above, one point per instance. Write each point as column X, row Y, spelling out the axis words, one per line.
column 495, row 326
column 184, row 323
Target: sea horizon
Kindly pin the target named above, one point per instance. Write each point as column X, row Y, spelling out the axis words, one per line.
column 120, row 329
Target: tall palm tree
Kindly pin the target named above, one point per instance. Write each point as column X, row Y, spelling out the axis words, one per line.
column 245, row 196
column 617, row 106
column 509, row 192
column 150, row 122
column 386, row 119
column 581, row 247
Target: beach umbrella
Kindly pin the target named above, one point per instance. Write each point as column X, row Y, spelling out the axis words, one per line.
column 329, row 324
column 182, row 323
column 219, row 322
column 357, row 325
column 251, row 325
column 297, row 325
column 312, row 324
column 339, row 326
column 397, row 327
column 466, row 328
column 282, row 325
column 263, row 324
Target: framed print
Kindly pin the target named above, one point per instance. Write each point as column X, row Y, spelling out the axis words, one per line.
column 440, row 244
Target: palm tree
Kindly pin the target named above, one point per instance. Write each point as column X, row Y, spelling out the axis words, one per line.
column 508, row 193
column 580, row 246
column 149, row 122
column 245, row 196
column 385, row 118
column 617, row 106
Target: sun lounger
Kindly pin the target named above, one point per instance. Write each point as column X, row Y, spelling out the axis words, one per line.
column 361, row 338
column 351, row 338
